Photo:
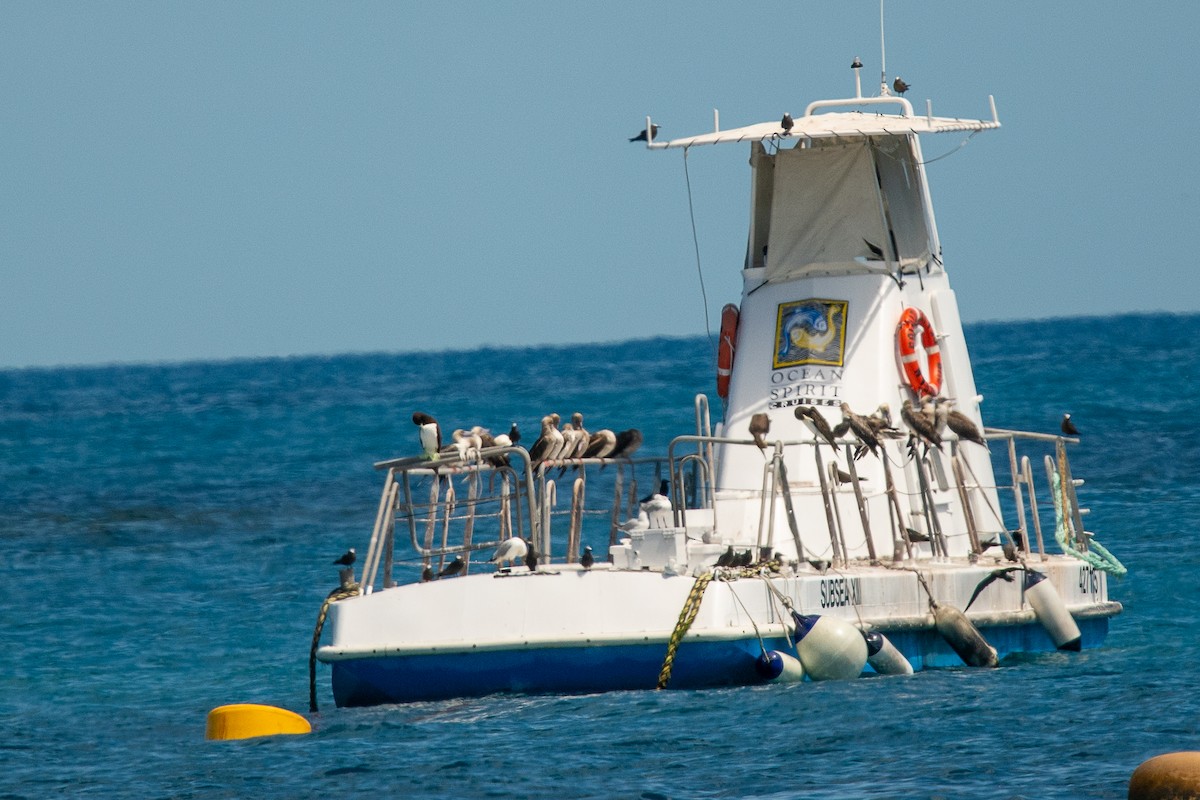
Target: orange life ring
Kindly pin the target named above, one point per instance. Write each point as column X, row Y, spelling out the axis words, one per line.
column 725, row 348
column 906, row 340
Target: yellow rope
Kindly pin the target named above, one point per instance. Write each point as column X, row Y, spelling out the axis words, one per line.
column 687, row 616
column 340, row 593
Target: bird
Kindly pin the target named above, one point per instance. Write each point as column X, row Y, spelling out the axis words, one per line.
column 570, row 441
column 727, row 558
column 453, row 568
column 861, row 427
column 514, row 435
column 430, row 434
column 811, row 417
column 964, row 428
column 600, row 444
column 346, row 558
column 899, row 85
column 587, row 559
column 658, row 503
column 935, row 410
column 510, row 550
column 760, row 425
column 641, row 137
column 531, row 558
column 627, row 443
column 664, row 489
column 819, row 564
column 787, row 123
column 639, row 523
column 583, row 438
column 875, row 250
column 991, row 577
column 426, row 575
column 921, row 427
column 1068, row 427
column 857, row 63
column 465, row 442
column 914, row 535
column 548, row 443
column 840, row 475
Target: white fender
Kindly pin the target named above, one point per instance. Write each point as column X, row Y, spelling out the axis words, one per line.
column 961, row 634
column 1052, row 612
column 779, row 667
column 829, row 648
column 883, row 656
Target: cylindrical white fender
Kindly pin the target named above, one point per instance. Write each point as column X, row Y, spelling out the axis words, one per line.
column 883, row 656
column 1052, row 612
column 962, row 635
column 779, row 667
column 829, row 648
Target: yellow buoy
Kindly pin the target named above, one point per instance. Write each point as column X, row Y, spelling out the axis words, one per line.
column 247, row 720
column 1174, row 775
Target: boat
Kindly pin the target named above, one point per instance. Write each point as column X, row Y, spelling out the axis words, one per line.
column 847, row 514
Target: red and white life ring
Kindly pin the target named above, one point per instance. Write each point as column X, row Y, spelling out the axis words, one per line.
column 906, row 340
column 725, row 348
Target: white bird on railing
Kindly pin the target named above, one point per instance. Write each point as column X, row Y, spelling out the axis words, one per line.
column 511, row 550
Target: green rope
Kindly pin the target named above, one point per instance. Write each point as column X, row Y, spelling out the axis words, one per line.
column 1097, row 555
column 687, row 616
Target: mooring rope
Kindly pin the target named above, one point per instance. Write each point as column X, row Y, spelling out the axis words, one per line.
column 1097, row 555
column 340, row 593
column 687, row 616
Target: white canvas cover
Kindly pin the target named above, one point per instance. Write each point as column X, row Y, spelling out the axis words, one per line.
column 828, row 202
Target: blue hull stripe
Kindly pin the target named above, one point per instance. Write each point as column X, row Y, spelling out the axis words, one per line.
column 400, row 679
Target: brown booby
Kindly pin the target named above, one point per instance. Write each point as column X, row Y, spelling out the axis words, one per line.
column 811, row 417
column 861, row 427
column 921, row 426
column 627, row 443
column 430, row 434
column 964, row 428
column 760, row 426
column 548, row 443
column 600, row 444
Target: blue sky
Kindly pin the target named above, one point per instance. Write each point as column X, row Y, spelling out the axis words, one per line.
column 223, row 180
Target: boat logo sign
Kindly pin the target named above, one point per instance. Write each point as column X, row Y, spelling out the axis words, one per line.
column 810, row 332
column 810, row 343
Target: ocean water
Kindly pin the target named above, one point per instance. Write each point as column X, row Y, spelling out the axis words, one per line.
column 168, row 534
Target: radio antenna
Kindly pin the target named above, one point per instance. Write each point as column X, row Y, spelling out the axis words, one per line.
column 883, row 87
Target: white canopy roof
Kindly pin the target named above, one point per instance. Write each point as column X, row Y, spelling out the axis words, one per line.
column 838, row 124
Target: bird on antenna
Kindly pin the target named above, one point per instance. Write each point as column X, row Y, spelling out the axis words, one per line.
column 641, row 137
